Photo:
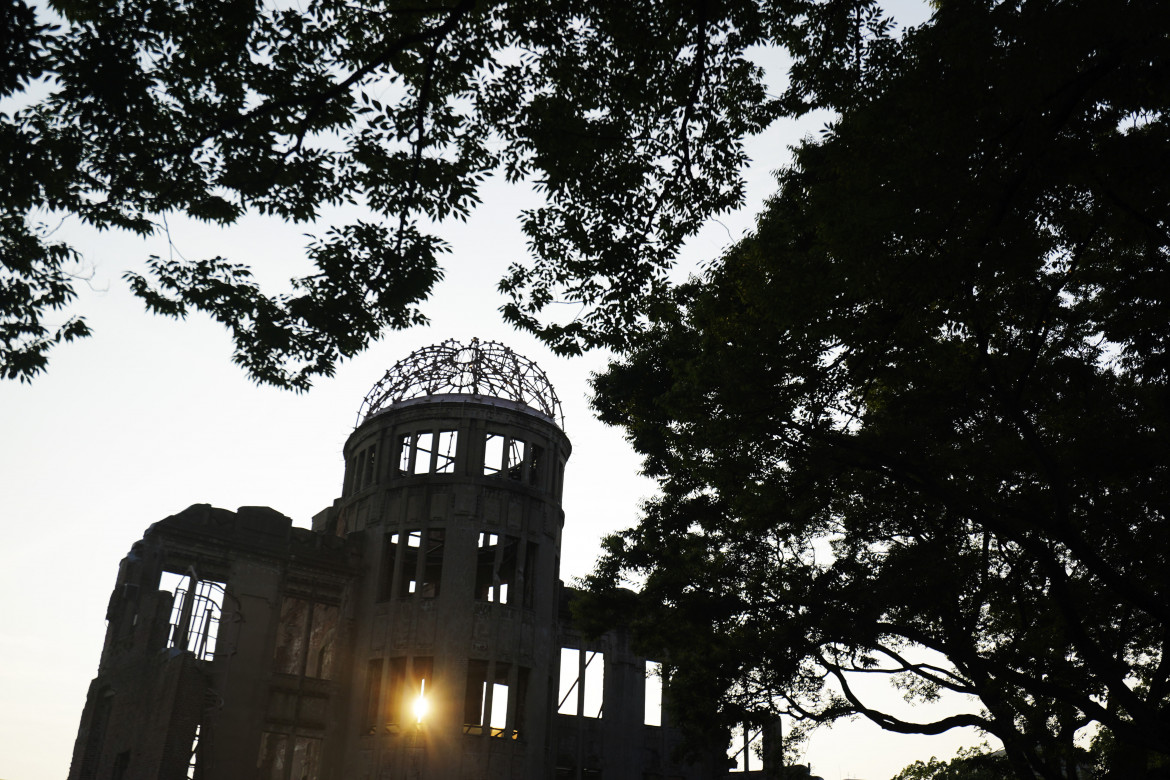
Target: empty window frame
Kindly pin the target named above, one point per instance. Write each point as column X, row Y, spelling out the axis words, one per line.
column 745, row 749
column 195, row 612
column 426, row 452
column 511, row 457
column 306, row 638
column 365, row 468
column 582, row 688
column 653, row 698
column 419, row 691
column 412, row 562
column 496, row 568
column 410, row 542
column 492, row 697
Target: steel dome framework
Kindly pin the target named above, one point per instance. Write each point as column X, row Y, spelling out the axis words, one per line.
column 484, row 368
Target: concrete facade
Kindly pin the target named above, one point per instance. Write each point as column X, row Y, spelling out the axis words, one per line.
column 416, row 631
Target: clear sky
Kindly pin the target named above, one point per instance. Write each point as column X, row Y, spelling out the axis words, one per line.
column 150, row 416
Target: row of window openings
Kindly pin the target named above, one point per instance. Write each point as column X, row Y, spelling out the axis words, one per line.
column 406, row 696
column 305, row 636
column 413, row 564
column 582, row 686
column 433, row 452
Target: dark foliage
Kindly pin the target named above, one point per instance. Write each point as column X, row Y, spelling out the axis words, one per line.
column 628, row 117
column 918, row 424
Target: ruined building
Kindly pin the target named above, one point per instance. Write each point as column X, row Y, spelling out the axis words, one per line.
column 419, row 630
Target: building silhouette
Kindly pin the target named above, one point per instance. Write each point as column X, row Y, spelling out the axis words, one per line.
column 418, row 630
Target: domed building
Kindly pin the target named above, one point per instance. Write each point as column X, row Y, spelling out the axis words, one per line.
column 418, row 630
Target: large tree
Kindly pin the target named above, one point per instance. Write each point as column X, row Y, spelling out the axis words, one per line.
column 628, row 115
column 918, row 424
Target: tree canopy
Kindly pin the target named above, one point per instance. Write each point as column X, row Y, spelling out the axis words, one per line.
column 918, row 424
column 628, row 115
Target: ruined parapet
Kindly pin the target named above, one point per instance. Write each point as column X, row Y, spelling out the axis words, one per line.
column 225, row 640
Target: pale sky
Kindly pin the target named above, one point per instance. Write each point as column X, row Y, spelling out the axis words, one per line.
column 150, row 416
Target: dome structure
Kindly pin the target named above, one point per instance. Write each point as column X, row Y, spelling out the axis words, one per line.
column 480, row 368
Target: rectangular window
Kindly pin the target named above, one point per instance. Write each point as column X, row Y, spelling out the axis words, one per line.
column 404, row 451
column 515, row 464
column 495, row 569
column 475, row 697
column 582, row 685
column 433, row 563
column 485, row 567
column 371, row 465
column 423, row 446
column 567, row 697
column 420, row 691
column 373, row 695
column 389, row 556
column 360, row 474
column 521, row 722
column 535, row 464
column 498, row 717
column 445, row 452
column 653, row 715
column 493, row 454
column 408, row 573
column 745, row 749
column 194, row 621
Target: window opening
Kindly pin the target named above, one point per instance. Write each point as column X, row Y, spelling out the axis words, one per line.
column 404, row 450
column 653, row 716
column 445, row 452
column 194, row 620
column 423, row 446
column 495, row 570
column 373, row 691
column 582, row 684
column 493, row 454
column 433, row 563
column 193, row 771
column 745, row 749
column 360, row 473
column 389, row 553
column 520, row 721
column 408, row 577
column 475, row 696
column 535, row 464
column 567, row 697
column 515, row 463
column 371, row 464
column 422, row 670
column 498, row 717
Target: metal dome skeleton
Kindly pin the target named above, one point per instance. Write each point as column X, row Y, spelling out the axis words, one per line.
column 485, row 368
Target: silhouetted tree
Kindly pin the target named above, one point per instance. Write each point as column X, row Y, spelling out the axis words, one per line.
column 627, row 115
column 918, row 424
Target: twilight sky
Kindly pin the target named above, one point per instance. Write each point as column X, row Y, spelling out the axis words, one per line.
column 150, row 416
